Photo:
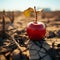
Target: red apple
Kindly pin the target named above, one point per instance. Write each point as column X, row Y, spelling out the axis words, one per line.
column 36, row 31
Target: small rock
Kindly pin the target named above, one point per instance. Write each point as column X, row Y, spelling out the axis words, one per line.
column 51, row 34
column 16, row 55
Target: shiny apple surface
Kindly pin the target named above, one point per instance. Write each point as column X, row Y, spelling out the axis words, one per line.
column 36, row 31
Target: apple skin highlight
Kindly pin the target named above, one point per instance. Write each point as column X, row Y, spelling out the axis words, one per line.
column 36, row 31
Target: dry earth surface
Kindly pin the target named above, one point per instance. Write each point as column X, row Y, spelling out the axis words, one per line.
column 9, row 50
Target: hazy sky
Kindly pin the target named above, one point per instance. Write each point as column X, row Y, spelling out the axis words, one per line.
column 24, row 4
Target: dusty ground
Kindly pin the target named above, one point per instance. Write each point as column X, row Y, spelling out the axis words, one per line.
column 20, row 24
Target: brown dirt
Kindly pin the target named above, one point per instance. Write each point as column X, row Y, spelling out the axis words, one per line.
column 20, row 24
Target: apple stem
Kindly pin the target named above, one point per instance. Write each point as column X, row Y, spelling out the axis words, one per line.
column 35, row 14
